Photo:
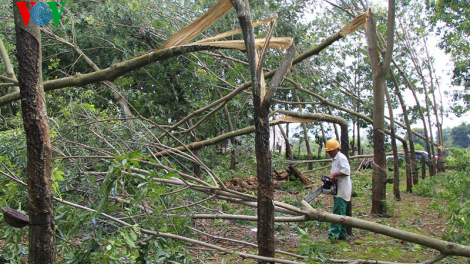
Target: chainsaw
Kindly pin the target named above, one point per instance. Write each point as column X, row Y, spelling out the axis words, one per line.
column 329, row 186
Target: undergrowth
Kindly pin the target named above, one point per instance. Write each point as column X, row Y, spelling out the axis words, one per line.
column 453, row 187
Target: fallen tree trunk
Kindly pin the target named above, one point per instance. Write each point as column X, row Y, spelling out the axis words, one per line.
column 446, row 248
column 299, row 175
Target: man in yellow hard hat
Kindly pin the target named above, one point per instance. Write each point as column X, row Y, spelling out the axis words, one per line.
column 340, row 171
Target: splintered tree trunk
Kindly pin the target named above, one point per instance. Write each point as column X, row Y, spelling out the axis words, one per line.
column 39, row 169
column 265, row 210
column 379, row 72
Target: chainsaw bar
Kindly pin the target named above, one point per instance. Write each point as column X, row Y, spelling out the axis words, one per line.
column 313, row 195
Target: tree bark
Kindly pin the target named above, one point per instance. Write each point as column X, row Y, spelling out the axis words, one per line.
column 396, row 172
column 358, row 139
column 409, row 183
column 35, row 121
column 265, row 233
column 440, row 161
column 334, row 125
column 418, row 70
column 414, row 167
column 411, row 87
column 345, row 151
column 307, row 142
column 285, row 134
column 429, row 146
column 379, row 72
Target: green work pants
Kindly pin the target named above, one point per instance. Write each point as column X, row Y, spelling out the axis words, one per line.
column 339, row 208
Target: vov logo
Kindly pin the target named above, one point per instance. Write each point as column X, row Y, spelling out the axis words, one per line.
column 40, row 13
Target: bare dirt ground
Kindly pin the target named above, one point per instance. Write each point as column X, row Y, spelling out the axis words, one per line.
column 413, row 213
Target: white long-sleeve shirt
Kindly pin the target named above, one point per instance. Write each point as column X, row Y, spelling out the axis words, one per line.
column 341, row 164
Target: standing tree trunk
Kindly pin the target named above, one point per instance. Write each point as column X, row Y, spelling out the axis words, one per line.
column 379, row 72
column 353, row 139
column 409, row 183
column 396, row 172
column 429, row 145
column 411, row 173
column 345, row 150
column 411, row 87
column 262, row 98
column 334, row 125
column 414, row 162
column 321, row 142
column 418, row 70
column 307, row 142
column 440, row 161
column 359, row 152
column 289, row 154
column 304, row 127
column 39, row 167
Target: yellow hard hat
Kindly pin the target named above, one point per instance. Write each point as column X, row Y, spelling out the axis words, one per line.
column 332, row 144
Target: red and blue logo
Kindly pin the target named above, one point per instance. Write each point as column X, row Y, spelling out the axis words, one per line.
column 40, row 13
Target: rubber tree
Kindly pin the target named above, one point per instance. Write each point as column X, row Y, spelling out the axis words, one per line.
column 262, row 98
column 440, row 135
column 35, row 121
column 411, row 170
column 396, row 172
column 304, row 128
column 421, row 113
column 379, row 73
column 418, row 69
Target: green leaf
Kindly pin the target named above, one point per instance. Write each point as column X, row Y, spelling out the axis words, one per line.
column 128, row 239
column 55, row 186
column 57, row 175
column 170, row 174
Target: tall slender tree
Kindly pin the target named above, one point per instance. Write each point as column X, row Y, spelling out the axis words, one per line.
column 379, row 72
